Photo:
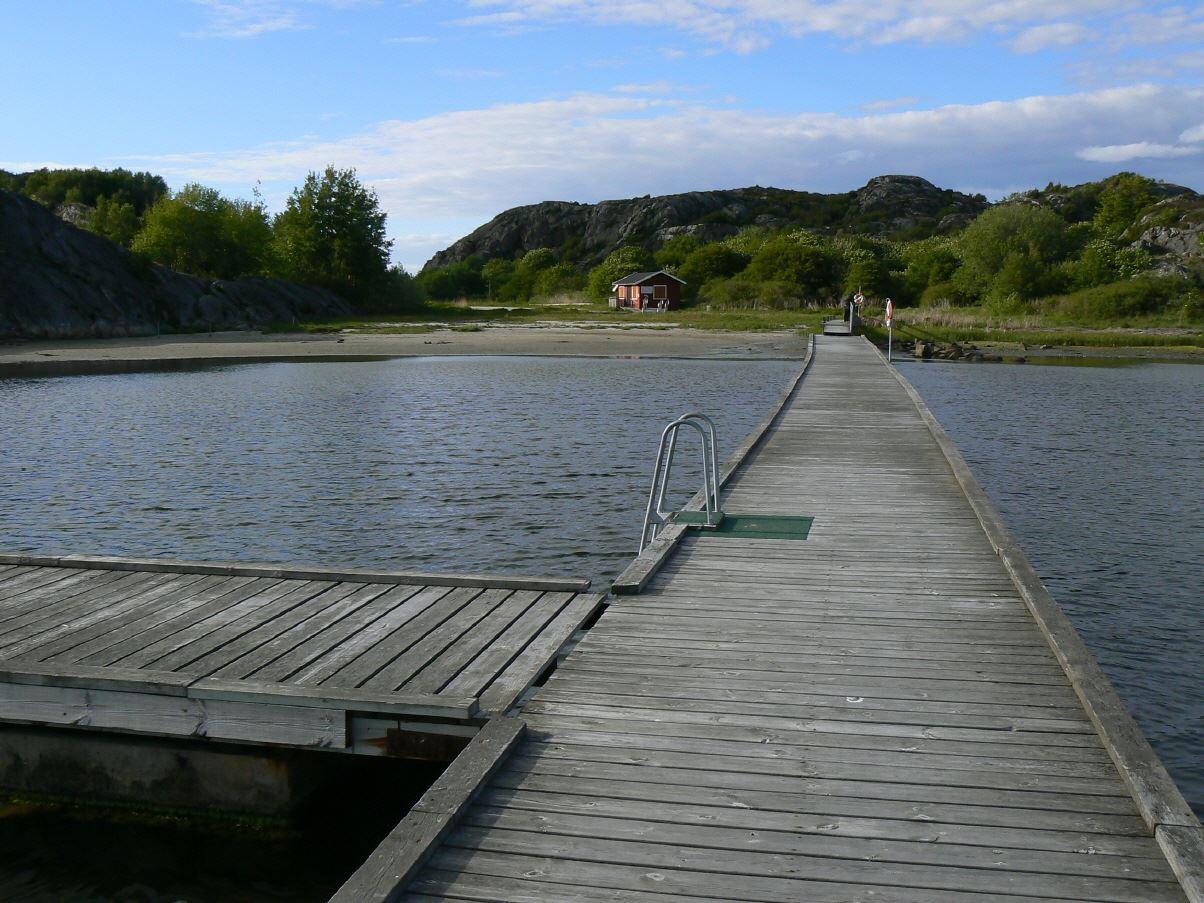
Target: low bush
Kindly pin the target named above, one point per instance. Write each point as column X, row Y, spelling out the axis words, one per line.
column 1131, row 297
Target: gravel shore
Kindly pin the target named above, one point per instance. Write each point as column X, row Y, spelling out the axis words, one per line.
column 124, row 355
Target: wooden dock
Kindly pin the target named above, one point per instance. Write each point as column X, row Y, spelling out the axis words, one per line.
column 838, row 326
column 349, row 660
column 892, row 709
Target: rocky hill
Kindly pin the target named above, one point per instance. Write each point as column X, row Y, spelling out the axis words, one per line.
column 59, row 281
column 1169, row 221
column 904, row 206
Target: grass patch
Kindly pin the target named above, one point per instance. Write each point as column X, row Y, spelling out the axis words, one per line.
column 1058, row 338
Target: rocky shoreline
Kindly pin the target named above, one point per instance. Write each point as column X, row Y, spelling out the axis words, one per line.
column 954, row 351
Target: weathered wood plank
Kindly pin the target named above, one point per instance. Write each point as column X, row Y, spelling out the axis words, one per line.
column 392, row 641
column 440, row 670
column 518, row 677
column 409, row 704
column 174, row 715
column 295, row 572
column 435, row 643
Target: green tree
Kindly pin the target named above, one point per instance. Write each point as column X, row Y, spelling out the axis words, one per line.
column 558, row 279
column 198, row 231
column 114, row 220
column 814, row 268
column 1124, row 196
column 497, row 274
column 86, row 186
column 927, row 263
column 526, row 273
column 674, row 252
column 537, row 259
column 456, row 280
column 332, row 233
column 1027, row 237
column 1023, row 277
column 869, row 274
column 621, row 262
column 400, row 293
column 707, row 263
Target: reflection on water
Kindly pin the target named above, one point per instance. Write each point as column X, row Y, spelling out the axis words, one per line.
column 64, row 852
column 1097, row 473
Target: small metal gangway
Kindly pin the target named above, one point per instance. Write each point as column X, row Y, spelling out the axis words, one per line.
column 655, row 516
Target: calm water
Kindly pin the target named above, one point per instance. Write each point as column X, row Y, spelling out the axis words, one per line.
column 534, row 465
column 1097, row 473
column 542, row 466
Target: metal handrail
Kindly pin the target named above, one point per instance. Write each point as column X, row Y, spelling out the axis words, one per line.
column 655, row 516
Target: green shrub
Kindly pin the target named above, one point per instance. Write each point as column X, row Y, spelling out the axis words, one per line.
column 1131, row 297
column 944, row 294
column 743, row 292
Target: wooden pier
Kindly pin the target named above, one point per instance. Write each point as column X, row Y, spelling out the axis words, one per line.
column 352, row 660
column 892, row 709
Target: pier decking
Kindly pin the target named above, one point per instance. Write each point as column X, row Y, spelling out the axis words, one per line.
column 270, row 654
column 891, row 709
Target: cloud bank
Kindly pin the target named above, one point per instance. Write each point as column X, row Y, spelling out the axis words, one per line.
column 464, row 167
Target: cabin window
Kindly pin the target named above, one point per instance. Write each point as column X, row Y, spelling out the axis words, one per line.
column 662, row 292
column 623, row 292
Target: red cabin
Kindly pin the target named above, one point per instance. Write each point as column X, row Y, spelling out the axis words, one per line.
column 648, row 291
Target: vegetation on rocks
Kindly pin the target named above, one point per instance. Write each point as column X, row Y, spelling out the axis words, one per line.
column 1120, row 248
column 330, row 235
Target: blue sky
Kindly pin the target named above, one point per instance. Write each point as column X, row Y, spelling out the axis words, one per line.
column 456, row 110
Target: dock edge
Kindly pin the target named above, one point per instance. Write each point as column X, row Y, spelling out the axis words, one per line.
column 1166, row 813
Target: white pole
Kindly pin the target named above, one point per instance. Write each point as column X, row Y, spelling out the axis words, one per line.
column 890, row 332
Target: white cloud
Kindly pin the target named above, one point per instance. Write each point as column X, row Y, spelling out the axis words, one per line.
column 891, row 103
column 1138, row 150
column 467, row 166
column 253, row 18
column 1055, row 34
column 410, row 39
column 746, row 25
column 1167, row 25
column 248, row 18
column 1192, row 135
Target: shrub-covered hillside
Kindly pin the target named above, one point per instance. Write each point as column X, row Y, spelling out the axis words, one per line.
column 1124, row 246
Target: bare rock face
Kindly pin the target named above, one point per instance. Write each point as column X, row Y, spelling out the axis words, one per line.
column 59, row 281
column 75, row 214
column 586, row 233
column 1173, row 232
column 1179, row 241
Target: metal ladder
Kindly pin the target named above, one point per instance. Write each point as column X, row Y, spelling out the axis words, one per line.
column 656, row 516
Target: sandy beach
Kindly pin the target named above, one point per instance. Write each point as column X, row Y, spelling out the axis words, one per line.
column 47, row 358
column 120, row 355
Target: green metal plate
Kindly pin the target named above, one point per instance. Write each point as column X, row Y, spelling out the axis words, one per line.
column 751, row 526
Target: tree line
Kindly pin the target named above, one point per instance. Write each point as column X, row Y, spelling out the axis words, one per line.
column 331, row 232
column 1018, row 256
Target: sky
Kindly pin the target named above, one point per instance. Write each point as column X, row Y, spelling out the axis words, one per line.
column 454, row 110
